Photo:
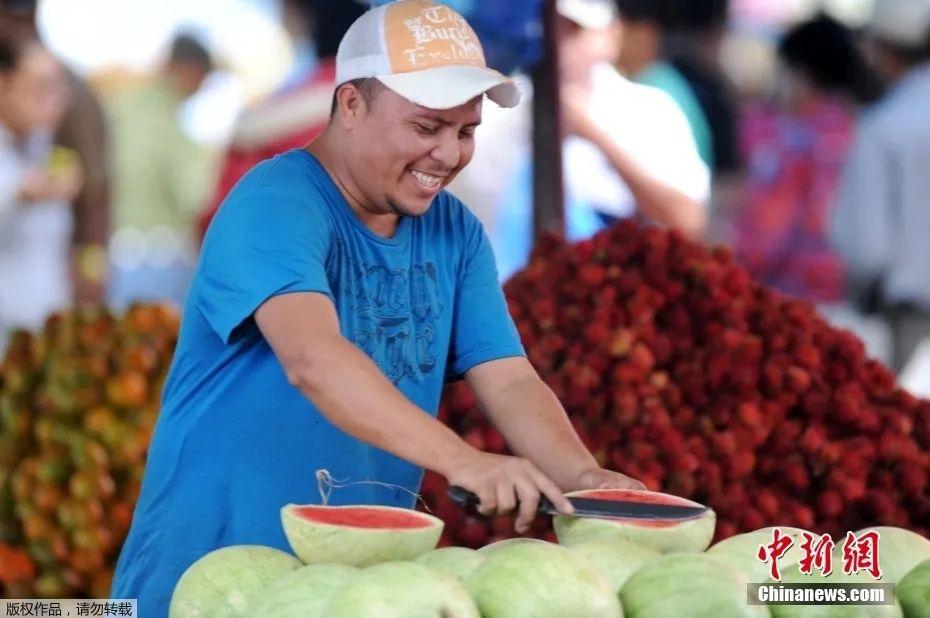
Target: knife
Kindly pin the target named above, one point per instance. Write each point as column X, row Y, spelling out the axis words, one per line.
column 604, row 509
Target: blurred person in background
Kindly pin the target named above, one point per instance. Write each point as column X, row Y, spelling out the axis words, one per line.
column 83, row 131
column 36, row 187
column 795, row 146
column 299, row 109
column 160, row 181
column 692, row 41
column 641, row 60
column 881, row 221
column 629, row 151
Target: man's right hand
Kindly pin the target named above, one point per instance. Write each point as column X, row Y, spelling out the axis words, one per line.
column 504, row 483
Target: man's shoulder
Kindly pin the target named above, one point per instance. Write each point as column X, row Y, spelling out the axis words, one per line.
column 285, row 182
column 287, row 172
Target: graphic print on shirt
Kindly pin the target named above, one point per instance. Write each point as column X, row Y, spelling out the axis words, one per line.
column 395, row 313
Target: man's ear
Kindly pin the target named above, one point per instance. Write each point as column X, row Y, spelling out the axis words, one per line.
column 350, row 105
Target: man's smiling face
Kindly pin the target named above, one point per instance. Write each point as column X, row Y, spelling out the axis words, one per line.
column 402, row 154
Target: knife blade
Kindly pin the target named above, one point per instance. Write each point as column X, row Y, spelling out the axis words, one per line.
column 604, row 509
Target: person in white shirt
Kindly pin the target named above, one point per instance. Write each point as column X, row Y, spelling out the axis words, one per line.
column 881, row 220
column 629, row 150
column 35, row 213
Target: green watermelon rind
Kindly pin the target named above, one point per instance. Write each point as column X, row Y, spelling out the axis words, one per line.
column 401, row 589
column 324, row 543
column 617, row 557
column 914, row 591
column 540, row 579
column 688, row 584
column 688, row 536
column 303, row 593
column 224, row 582
column 455, row 561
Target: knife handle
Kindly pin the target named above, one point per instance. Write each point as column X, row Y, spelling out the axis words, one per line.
column 468, row 500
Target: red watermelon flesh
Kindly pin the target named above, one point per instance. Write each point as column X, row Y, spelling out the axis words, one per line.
column 365, row 517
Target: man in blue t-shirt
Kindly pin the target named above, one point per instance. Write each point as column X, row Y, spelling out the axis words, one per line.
column 338, row 289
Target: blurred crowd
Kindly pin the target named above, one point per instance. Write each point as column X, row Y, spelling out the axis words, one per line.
column 820, row 180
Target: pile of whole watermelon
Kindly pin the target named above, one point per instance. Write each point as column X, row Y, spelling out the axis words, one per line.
column 78, row 402
column 677, row 369
column 363, row 561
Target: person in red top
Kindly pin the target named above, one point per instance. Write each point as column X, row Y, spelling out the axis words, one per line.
column 299, row 110
column 796, row 146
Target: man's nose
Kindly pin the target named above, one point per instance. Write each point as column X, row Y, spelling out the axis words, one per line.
column 448, row 151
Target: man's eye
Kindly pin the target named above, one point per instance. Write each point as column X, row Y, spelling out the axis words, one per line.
column 427, row 129
column 467, row 133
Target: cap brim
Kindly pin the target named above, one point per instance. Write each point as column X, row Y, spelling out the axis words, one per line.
column 450, row 86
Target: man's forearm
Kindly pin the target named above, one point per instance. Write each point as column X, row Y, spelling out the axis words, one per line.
column 657, row 200
column 350, row 390
column 535, row 426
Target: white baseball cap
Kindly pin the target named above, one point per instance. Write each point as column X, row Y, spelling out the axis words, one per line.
column 902, row 22
column 425, row 52
column 590, row 14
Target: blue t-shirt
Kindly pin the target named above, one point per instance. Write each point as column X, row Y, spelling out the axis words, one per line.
column 235, row 441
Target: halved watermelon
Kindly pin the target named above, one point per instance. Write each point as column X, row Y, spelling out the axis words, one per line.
column 690, row 535
column 358, row 535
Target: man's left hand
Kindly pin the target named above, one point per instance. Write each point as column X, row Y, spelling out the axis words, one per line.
column 599, row 478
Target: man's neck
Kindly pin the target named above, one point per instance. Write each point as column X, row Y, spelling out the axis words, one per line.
column 327, row 152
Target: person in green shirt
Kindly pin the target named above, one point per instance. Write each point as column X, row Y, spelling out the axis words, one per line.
column 161, row 179
column 641, row 61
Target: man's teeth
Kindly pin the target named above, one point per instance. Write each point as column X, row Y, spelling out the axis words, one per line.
column 426, row 180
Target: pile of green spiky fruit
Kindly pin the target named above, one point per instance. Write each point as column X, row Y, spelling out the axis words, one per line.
column 78, row 403
column 679, row 370
column 361, row 561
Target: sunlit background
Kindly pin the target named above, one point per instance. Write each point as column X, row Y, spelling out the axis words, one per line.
column 114, row 41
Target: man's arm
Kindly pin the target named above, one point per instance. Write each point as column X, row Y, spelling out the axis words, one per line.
column 348, row 387
column 534, row 424
column 350, row 390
